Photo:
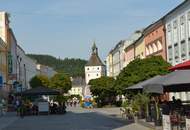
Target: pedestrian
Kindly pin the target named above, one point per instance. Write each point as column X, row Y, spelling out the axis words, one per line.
column 75, row 103
column 17, row 106
column 71, row 103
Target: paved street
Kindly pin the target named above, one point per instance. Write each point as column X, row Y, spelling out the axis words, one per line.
column 75, row 119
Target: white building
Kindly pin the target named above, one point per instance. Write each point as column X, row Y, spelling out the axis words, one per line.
column 118, row 58
column 26, row 69
column 177, row 24
column 78, row 84
column 93, row 69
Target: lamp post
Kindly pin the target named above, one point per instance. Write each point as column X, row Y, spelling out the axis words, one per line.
column 19, row 59
column 25, row 76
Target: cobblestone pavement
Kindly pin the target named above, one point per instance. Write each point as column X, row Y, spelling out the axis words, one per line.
column 75, row 119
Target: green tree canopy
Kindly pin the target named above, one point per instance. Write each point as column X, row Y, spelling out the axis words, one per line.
column 39, row 80
column 61, row 81
column 103, row 87
column 140, row 70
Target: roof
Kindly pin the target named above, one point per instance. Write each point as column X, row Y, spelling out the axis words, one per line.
column 131, row 39
column 160, row 21
column 176, row 8
column 140, row 85
column 94, row 60
column 184, row 65
column 41, row 91
column 173, row 82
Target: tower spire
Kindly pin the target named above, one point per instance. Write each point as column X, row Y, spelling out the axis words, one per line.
column 94, row 48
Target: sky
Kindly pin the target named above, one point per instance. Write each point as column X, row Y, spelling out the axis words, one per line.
column 68, row 28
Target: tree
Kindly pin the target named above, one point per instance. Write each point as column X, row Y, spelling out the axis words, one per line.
column 140, row 70
column 39, row 80
column 61, row 81
column 72, row 67
column 103, row 88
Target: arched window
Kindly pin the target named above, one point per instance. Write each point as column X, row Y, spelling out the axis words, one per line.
column 147, row 51
column 159, row 44
column 150, row 49
column 155, row 49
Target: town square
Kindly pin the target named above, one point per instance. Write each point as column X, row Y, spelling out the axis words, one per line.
column 95, row 65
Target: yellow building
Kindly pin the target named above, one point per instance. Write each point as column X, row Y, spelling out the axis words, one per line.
column 140, row 48
column 109, row 65
column 4, row 49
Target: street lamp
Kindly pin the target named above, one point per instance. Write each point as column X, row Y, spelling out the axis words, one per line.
column 19, row 59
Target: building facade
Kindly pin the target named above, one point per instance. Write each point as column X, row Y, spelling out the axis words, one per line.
column 154, row 37
column 117, row 59
column 4, row 46
column 93, row 69
column 139, row 46
column 78, row 85
column 3, row 68
column 177, row 24
column 26, row 69
column 129, row 47
column 109, row 64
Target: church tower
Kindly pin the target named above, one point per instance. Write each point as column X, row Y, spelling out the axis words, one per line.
column 93, row 69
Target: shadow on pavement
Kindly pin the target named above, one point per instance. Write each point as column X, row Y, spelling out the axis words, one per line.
column 70, row 121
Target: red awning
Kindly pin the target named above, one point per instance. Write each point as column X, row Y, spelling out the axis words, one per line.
column 181, row 66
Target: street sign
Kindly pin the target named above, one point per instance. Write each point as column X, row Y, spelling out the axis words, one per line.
column 1, row 81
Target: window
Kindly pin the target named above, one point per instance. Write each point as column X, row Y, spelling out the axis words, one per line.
column 88, row 75
column 159, row 44
column 176, row 50
column 150, row 49
column 147, row 51
column 154, row 47
column 170, row 54
column 183, row 50
column 98, row 68
column 188, row 16
column 88, row 69
column 182, row 27
column 97, row 74
column 189, row 47
column 175, row 35
column 169, row 35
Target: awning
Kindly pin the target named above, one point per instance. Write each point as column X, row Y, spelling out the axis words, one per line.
column 139, row 86
column 41, row 91
column 177, row 81
column 181, row 66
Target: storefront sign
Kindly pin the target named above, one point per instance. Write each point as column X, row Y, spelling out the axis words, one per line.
column 187, row 124
column 166, row 122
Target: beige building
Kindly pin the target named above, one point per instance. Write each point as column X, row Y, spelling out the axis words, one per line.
column 109, row 65
column 4, row 48
column 139, row 45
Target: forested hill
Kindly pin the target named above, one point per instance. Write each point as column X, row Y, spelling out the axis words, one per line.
column 73, row 67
